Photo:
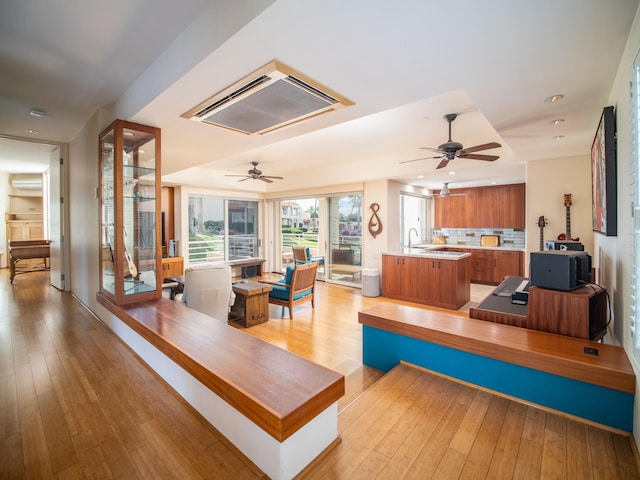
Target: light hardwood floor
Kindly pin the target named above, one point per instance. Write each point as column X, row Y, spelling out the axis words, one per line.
column 76, row 403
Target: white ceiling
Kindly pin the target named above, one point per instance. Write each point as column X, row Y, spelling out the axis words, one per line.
column 405, row 64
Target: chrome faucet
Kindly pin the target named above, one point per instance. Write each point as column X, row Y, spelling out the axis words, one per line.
column 417, row 235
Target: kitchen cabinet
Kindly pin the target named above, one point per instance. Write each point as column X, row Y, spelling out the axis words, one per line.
column 488, row 200
column 400, row 277
column 512, row 211
column 130, row 242
column 482, row 266
column 502, row 206
column 490, row 266
column 506, row 263
column 439, row 282
column 436, row 277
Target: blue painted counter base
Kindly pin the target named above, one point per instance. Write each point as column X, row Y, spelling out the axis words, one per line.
column 383, row 350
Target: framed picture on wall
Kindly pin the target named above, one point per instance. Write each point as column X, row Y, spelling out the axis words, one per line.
column 603, row 175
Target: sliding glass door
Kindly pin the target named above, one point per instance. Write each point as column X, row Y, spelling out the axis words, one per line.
column 331, row 228
column 344, row 232
column 301, row 227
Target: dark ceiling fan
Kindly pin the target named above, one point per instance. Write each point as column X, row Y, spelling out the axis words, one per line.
column 450, row 150
column 256, row 174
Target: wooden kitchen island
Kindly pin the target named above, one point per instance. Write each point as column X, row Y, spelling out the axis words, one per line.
column 436, row 278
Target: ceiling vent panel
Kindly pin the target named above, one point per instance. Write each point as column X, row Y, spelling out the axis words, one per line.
column 271, row 98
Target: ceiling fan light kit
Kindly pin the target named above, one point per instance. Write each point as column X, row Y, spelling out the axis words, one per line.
column 445, row 192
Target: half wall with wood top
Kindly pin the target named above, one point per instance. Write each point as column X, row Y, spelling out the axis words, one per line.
column 551, row 370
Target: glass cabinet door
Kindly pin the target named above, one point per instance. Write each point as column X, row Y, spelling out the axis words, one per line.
column 130, row 215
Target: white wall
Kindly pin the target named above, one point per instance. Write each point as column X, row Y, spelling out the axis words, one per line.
column 547, row 183
column 84, row 216
column 372, row 248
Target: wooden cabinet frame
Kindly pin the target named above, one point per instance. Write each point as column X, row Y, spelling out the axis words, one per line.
column 130, row 220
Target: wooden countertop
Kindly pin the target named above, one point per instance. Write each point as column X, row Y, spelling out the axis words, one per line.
column 277, row 390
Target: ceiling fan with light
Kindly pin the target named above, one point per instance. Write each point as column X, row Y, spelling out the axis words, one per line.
column 256, row 174
column 450, row 150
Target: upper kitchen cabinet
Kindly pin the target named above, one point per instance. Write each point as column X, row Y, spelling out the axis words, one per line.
column 512, row 211
column 130, row 247
column 501, row 206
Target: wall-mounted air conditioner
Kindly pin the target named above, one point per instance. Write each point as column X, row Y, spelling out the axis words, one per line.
column 27, row 183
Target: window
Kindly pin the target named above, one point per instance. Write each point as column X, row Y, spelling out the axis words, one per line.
column 635, row 198
column 413, row 218
column 222, row 230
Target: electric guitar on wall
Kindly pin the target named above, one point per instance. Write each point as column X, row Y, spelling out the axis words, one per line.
column 542, row 222
column 567, row 234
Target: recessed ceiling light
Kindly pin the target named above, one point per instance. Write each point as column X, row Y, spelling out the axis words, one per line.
column 553, row 98
column 32, row 132
column 452, row 172
column 420, row 176
column 557, row 121
column 558, row 137
column 34, row 112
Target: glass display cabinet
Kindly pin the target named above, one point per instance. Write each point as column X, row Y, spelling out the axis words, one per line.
column 130, row 250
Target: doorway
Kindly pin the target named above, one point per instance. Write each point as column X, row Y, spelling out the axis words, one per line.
column 25, row 158
column 331, row 228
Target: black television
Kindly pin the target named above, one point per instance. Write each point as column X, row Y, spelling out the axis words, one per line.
column 560, row 269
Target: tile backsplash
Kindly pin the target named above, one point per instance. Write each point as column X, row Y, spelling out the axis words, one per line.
column 509, row 238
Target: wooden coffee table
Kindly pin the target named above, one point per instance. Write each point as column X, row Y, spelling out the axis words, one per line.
column 251, row 306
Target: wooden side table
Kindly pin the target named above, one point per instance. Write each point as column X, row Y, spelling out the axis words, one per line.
column 172, row 267
column 251, row 306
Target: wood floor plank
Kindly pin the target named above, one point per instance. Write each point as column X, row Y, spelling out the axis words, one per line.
column 37, row 463
column 625, row 458
column 529, row 460
column 506, row 453
column 59, row 443
column 463, row 439
column 579, row 459
column 414, row 411
column 432, row 408
column 482, row 451
column 554, row 452
column 437, row 443
column 374, row 424
column 604, row 462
